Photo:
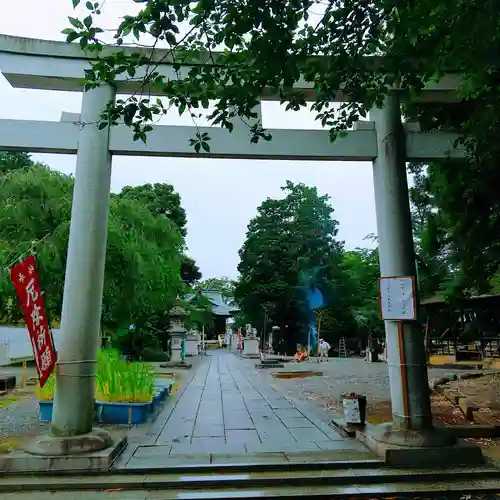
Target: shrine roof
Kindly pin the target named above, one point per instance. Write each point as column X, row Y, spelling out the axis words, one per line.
column 219, row 306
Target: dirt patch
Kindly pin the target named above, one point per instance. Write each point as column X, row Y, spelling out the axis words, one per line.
column 379, row 410
column 482, row 393
column 444, row 412
column 296, row 374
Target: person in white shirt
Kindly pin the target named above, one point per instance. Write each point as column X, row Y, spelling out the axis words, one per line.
column 323, row 348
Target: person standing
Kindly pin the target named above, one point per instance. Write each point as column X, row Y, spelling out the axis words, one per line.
column 323, row 348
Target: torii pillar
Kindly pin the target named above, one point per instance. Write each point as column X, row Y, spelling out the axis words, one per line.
column 71, row 430
column 406, row 357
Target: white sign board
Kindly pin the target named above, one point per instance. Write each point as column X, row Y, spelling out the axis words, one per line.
column 397, row 298
column 352, row 414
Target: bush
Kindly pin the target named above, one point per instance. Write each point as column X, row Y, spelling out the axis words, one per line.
column 153, row 355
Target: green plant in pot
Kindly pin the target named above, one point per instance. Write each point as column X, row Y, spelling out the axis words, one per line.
column 46, row 393
column 124, row 391
column 119, row 381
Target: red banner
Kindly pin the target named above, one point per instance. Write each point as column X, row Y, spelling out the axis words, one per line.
column 25, row 280
column 240, row 340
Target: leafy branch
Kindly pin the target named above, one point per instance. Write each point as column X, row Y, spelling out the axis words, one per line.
column 355, row 52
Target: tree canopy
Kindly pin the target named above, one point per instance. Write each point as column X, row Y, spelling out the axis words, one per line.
column 144, row 250
column 161, row 200
column 290, row 247
column 364, row 48
column 224, row 285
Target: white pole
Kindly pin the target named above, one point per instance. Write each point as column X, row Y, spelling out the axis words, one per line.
column 405, row 347
column 83, row 286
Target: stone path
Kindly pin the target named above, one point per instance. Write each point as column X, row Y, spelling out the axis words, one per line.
column 227, row 408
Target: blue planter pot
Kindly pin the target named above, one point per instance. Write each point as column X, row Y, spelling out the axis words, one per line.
column 165, row 387
column 46, row 408
column 155, row 401
column 157, row 398
column 123, row 413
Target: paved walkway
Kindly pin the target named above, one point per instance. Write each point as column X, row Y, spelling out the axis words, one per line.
column 228, row 408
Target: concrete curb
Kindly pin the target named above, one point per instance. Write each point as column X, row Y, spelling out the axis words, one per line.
column 438, row 385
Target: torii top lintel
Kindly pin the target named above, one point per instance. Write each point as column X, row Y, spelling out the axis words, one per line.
column 55, row 65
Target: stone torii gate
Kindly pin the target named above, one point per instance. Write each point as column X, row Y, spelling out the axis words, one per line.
column 384, row 141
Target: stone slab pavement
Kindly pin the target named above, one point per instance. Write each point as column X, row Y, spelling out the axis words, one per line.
column 227, row 409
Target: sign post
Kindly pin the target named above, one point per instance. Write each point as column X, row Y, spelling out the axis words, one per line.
column 25, row 279
column 397, row 298
column 398, row 303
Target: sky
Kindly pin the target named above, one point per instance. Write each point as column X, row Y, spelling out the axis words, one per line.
column 219, row 196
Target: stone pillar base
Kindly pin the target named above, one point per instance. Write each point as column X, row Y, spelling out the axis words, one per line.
column 251, row 347
column 176, row 364
column 389, row 434
column 192, row 347
column 424, row 448
column 48, row 445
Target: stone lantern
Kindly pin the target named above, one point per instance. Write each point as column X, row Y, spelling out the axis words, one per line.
column 275, row 331
column 177, row 331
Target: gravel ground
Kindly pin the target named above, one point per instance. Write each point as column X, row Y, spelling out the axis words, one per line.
column 19, row 410
column 339, row 376
column 20, row 419
column 19, row 413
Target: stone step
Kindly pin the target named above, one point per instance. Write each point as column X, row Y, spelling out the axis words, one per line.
column 297, row 483
column 150, row 460
column 423, row 490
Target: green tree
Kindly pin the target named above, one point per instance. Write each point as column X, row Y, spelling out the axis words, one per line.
column 144, row 253
column 199, row 311
column 159, row 199
column 190, row 272
column 14, row 161
column 362, row 267
column 289, row 239
column 429, row 231
column 35, row 215
column 162, row 200
column 224, row 285
column 142, row 264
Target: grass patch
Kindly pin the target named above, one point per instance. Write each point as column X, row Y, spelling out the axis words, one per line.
column 6, row 402
column 378, row 419
column 10, row 444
